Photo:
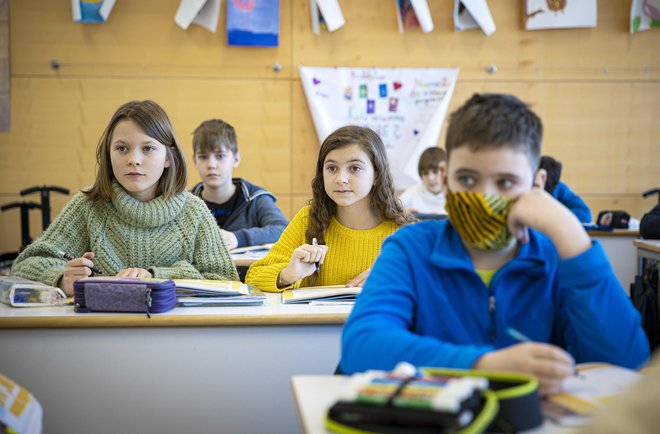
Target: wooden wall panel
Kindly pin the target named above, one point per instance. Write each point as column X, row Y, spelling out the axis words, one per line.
column 370, row 39
column 139, row 39
column 597, row 90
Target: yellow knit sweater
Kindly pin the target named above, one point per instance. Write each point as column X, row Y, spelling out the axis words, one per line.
column 350, row 252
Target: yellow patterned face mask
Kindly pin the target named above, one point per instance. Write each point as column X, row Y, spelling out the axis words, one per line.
column 480, row 219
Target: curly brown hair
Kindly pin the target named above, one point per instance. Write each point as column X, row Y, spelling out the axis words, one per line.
column 383, row 198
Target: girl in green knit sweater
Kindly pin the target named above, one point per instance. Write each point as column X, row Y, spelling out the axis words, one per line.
column 137, row 220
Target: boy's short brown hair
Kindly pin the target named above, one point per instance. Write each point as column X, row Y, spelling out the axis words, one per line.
column 212, row 135
column 491, row 120
column 431, row 159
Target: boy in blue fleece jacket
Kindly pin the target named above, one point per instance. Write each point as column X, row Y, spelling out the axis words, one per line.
column 247, row 214
column 561, row 191
column 443, row 293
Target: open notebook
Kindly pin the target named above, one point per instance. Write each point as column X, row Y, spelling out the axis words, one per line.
column 330, row 294
column 593, row 386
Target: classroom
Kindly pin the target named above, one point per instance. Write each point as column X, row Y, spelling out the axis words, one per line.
column 230, row 369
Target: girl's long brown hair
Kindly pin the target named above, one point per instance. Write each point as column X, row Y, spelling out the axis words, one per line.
column 382, row 198
column 155, row 123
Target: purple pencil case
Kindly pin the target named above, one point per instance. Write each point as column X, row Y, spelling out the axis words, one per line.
column 124, row 294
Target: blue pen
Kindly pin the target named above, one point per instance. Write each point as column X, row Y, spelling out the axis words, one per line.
column 515, row 334
column 316, row 243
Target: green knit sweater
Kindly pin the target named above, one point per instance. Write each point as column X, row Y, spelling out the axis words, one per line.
column 174, row 238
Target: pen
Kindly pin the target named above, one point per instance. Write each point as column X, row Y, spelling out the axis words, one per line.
column 515, row 334
column 70, row 257
column 316, row 243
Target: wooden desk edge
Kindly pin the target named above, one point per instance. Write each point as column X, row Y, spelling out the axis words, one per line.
column 157, row 320
column 650, row 245
column 613, row 233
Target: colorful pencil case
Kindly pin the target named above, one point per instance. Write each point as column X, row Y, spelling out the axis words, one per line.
column 124, row 294
column 436, row 401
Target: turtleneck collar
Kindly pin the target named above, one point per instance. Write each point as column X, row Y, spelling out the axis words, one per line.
column 153, row 213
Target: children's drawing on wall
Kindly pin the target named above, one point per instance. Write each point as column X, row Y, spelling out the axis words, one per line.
column 558, row 14
column 472, row 14
column 413, row 13
column 325, row 13
column 253, row 23
column 644, row 15
column 405, row 106
column 91, row 11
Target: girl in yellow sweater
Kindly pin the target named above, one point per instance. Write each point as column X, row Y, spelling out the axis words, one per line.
column 335, row 239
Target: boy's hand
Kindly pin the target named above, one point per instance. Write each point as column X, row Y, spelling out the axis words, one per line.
column 303, row 262
column 76, row 269
column 359, row 279
column 230, row 239
column 133, row 272
column 538, row 210
column 548, row 363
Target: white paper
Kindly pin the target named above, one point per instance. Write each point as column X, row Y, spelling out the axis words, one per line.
column 332, row 15
column 477, row 14
column 106, row 8
column 314, row 16
column 423, row 15
column 204, row 13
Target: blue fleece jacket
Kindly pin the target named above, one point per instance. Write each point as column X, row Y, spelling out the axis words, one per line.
column 256, row 219
column 424, row 303
column 572, row 201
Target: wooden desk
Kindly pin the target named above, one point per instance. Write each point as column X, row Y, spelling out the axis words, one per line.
column 618, row 246
column 646, row 249
column 198, row 370
column 315, row 394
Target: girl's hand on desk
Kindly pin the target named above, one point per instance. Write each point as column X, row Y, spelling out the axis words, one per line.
column 133, row 272
column 76, row 269
column 303, row 262
column 360, row 279
column 548, row 363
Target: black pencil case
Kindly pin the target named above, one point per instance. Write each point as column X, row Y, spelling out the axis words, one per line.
column 124, row 294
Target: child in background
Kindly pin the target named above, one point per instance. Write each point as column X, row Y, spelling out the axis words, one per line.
column 561, row 192
column 137, row 220
column 427, row 197
column 246, row 213
column 443, row 293
column 352, row 210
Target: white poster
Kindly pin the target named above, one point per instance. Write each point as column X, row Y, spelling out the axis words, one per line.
column 405, row 106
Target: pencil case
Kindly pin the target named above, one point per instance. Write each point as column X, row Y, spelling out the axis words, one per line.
column 436, row 401
column 124, row 294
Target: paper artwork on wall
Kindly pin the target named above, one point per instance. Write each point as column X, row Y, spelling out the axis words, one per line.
column 91, row 11
column 325, row 13
column 253, row 23
column 644, row 15
column 413, row 13
column 204, row 13
column 405, row 106
column 558, row 14
column 472, row 14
